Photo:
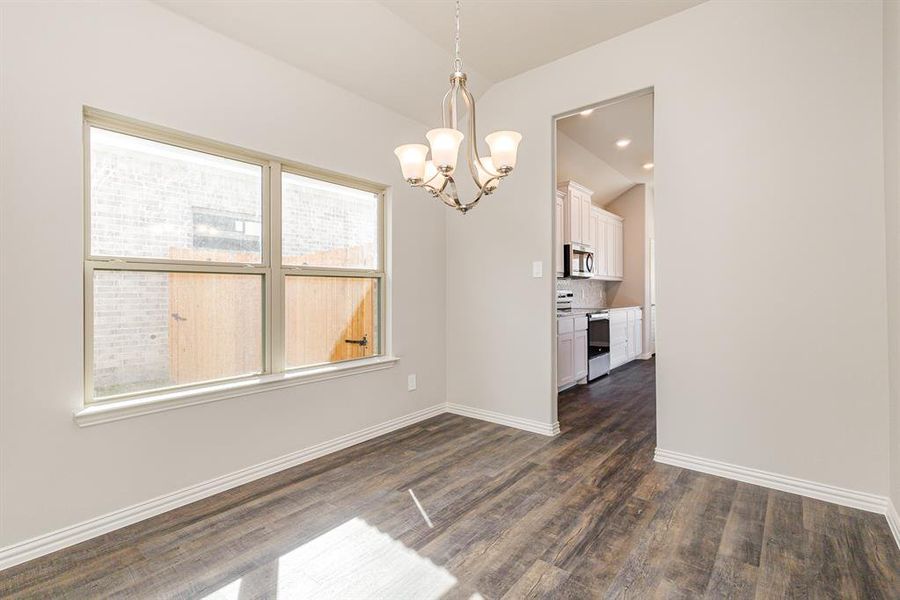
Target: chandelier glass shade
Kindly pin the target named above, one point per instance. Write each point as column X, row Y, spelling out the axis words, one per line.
column 436, row 175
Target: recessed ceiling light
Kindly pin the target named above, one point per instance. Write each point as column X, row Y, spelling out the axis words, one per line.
column 623, row 142
column 648, row 166
column 585, row 113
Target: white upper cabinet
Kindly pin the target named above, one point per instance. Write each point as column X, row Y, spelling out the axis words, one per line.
column 607, row 239
column 573, row 221
column 577, row 212
column 615, row 242
column 586, row 217
column 598, row 241
column 584, row 223
column 559, row 239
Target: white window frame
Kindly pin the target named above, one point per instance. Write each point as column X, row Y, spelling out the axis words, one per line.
column 271, row 269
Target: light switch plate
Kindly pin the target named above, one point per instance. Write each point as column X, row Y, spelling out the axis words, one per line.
column 537, row 269
column 410, row 383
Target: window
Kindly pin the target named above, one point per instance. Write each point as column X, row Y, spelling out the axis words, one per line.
column 205, row 263
column 329, row 247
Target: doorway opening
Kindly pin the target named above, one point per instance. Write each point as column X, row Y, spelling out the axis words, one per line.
column 604, row 248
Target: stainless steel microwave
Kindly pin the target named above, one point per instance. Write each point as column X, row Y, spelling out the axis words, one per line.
column 578, row 261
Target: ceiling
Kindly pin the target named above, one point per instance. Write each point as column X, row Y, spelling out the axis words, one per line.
column 575, row 163
column 358, row 45
column 631, row 118
column 399, row 53
column 502, row 38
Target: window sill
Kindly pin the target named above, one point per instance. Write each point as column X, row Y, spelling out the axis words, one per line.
column 145, row 405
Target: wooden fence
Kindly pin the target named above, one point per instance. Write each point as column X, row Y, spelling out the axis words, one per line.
column 215, row 320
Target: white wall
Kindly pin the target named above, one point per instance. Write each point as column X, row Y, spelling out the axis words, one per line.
column 769, row 191
column 892, row 224
column 633, row 289
column 635, row 206
column 140, row 60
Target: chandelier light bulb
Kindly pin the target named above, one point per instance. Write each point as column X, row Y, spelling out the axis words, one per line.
column 486, row 174
column 433, row 178
column 444, row 148
column 412, row 160
column 504, row 147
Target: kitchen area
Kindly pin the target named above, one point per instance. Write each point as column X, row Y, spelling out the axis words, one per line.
column 604, row 240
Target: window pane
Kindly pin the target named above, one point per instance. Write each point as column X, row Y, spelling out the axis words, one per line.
column 323, row 313
column 153, row 200
column 156, row 329
column 328, row 225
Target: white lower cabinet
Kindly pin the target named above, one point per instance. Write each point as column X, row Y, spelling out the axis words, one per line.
column 571, row 351
column 565, row 360
column 580, row 353
column 636, row 340
column 618, row 338
column 625, row 335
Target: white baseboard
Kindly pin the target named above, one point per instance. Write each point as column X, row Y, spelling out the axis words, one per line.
column 893, row 520
column 74, row 534
column 80, row 532
column 504, row 419
column 784, row 483
column 68, row 536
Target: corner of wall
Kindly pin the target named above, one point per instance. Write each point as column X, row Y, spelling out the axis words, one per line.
column 891, row 124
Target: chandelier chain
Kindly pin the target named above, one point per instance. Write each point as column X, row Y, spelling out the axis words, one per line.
column 457, row 62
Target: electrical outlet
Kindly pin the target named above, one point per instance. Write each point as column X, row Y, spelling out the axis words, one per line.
column 410, row 383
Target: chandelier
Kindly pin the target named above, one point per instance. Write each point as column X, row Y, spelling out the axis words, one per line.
column 435, row 176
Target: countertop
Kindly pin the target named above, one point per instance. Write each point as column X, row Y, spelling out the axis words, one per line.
column 578, row 312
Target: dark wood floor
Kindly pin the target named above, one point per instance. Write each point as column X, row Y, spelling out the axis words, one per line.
column 504, row 514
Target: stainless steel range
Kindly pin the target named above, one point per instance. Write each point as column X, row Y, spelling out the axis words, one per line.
column 598, row 343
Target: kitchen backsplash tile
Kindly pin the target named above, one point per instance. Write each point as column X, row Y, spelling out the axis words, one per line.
column 588, row 293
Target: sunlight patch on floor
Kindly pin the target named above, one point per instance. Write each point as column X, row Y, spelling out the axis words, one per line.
column 353, row 560
column 356, row 560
